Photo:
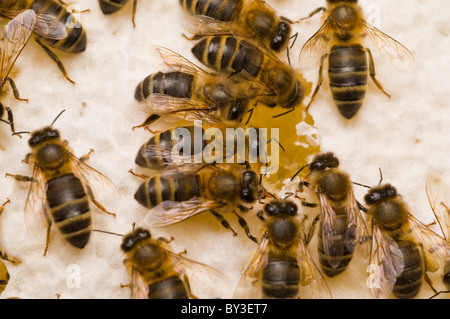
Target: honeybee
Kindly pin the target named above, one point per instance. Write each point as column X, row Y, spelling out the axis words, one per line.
column 176, row 197
column 437, row 193
column 111, row 6
column 15, row 36
column 60, row 188
column 282, row 266
column 403, row 248
column 254, row 15
column 65, row 34
column 236, row 52
column 188, row 89
column 4, row 275
column 344, row 28
column 342, row 227
column 158, row 273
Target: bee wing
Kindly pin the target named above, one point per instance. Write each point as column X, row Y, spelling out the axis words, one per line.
column 171, row 212
column 205, row 281
column 15, row 36
column 328, row 218
column 438, row 197
column 432, row 242
column 166, row 104
column 315, row 47
column 178, row 62
column 244, row 85
column 205, row 26
column 357, row 233
column 139, row 289
column 313, row 283
column 386, row 264
column 249, row 285
column 36, row 207
column 48, row 26
column 97, row 183
column 400, row 57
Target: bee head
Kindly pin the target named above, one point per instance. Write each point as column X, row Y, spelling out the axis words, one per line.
column 134, row 237
column 43, row 135
column 323, row 161
column 278, row 206
column 376, row 194
column 282, row 36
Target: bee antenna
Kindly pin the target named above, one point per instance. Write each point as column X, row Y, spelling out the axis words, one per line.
column 299, row 171
column 57, row 117
column 381, row 175
column 107, row 232
column 361, row 185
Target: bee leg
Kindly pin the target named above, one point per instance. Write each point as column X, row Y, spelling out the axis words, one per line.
column 294, row 36
column 281, row 146
column 20, row 178
column 3, row 205
column 134, row 13
column 284, row 113
column 188, row 288
column 26, row 160
column 4, row 256
column 222, row 221
column 251, row 113
column 318, row 10
column 428, row 281
column 439, row 292
column 165, row 240
column 152, row 118
column 55, row 58
column 47, row 237
column 312, row 228
column 361, row 207
column 138, row 175
column 85, row 157
column 372, row 73
column 100, row 206
column 319, row 82
column 15, row 90
column 260, row 215
column 244, row 225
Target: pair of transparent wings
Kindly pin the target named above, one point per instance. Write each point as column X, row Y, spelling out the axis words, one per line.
column 386, row 258
column 37, row 211
column 318, row 45
column 204, row 280
column 241, row 85
column 18, row 31
column 312, row 283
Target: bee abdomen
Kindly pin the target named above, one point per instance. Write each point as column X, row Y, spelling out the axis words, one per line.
column 281, row 278
column 69, row 205
column 227, row 10
column 347, row 70
column 76, row 36
column 225, row 54
column 334, row 264
column 175, row 84
column 409, row 282
column 158, row 189
column 169, row 288
column 111, row 6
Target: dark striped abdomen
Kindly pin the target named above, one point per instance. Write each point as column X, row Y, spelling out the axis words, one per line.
column 225, row 54
column 156, row 152
column 347, row 71
column 169, row 288
column 225, row 10
column 111, row 6
column 69, row 206
column 409, row 282
column 76, row 36
column 175, row 84
column 340, row 256
column 281, row 278
column 158, row 189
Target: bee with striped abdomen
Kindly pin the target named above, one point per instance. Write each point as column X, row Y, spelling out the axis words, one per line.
column 61, row 187
column 71, row 38
column 111, row 6
column 189, row 91
column 192, row 190
column 282, row 266
column 342, row 227
column 158, row 273
column 438, row 196
column 403, row 248
column 236, row 52
column 4, row 275
column 254, row 15
column 344, row 28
